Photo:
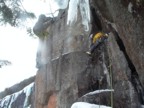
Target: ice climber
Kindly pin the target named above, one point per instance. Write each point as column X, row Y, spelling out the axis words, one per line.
column 95, row 40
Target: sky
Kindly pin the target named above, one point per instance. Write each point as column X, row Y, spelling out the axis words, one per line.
column 40, row 6
column 19, row 48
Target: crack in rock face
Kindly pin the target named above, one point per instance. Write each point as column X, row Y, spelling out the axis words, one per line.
column 134, row 75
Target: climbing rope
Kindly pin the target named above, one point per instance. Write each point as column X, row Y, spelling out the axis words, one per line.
column 110, row 72
column 99, row 94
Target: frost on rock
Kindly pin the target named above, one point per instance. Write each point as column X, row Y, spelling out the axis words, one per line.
column 84, row 11
column 87, row 105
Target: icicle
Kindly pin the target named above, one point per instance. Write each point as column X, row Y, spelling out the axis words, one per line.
column 72, row 11
column 85, row 13
column 84, row 10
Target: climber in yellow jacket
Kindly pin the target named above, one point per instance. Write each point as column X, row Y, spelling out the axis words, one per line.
column 96, row 39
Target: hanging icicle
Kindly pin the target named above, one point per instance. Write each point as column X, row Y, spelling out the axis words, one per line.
column 84, row 11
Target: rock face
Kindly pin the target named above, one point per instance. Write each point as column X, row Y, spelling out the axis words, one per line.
column 66, row 73
column 129, row 39
column 69, row 73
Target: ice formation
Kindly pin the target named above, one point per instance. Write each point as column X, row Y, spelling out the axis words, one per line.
column 7, row 101
column 74, row 5
column 84, row 11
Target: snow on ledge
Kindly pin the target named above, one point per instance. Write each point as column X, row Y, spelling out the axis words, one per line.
column 99, row 91
column 87, row 105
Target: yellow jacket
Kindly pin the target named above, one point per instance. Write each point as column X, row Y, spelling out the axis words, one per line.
column 97, row 36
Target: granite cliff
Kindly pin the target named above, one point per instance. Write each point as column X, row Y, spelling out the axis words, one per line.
column 117, row 64
column 66, row 74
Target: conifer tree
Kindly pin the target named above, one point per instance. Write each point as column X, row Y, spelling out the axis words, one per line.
column 12, row 12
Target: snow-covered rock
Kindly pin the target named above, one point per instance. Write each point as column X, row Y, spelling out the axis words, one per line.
column 87, row 105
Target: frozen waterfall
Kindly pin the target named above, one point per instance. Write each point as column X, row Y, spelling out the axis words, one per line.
column 19, row 99
column 73, row 10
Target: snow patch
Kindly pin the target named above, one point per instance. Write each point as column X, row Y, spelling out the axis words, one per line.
column 87, row 105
